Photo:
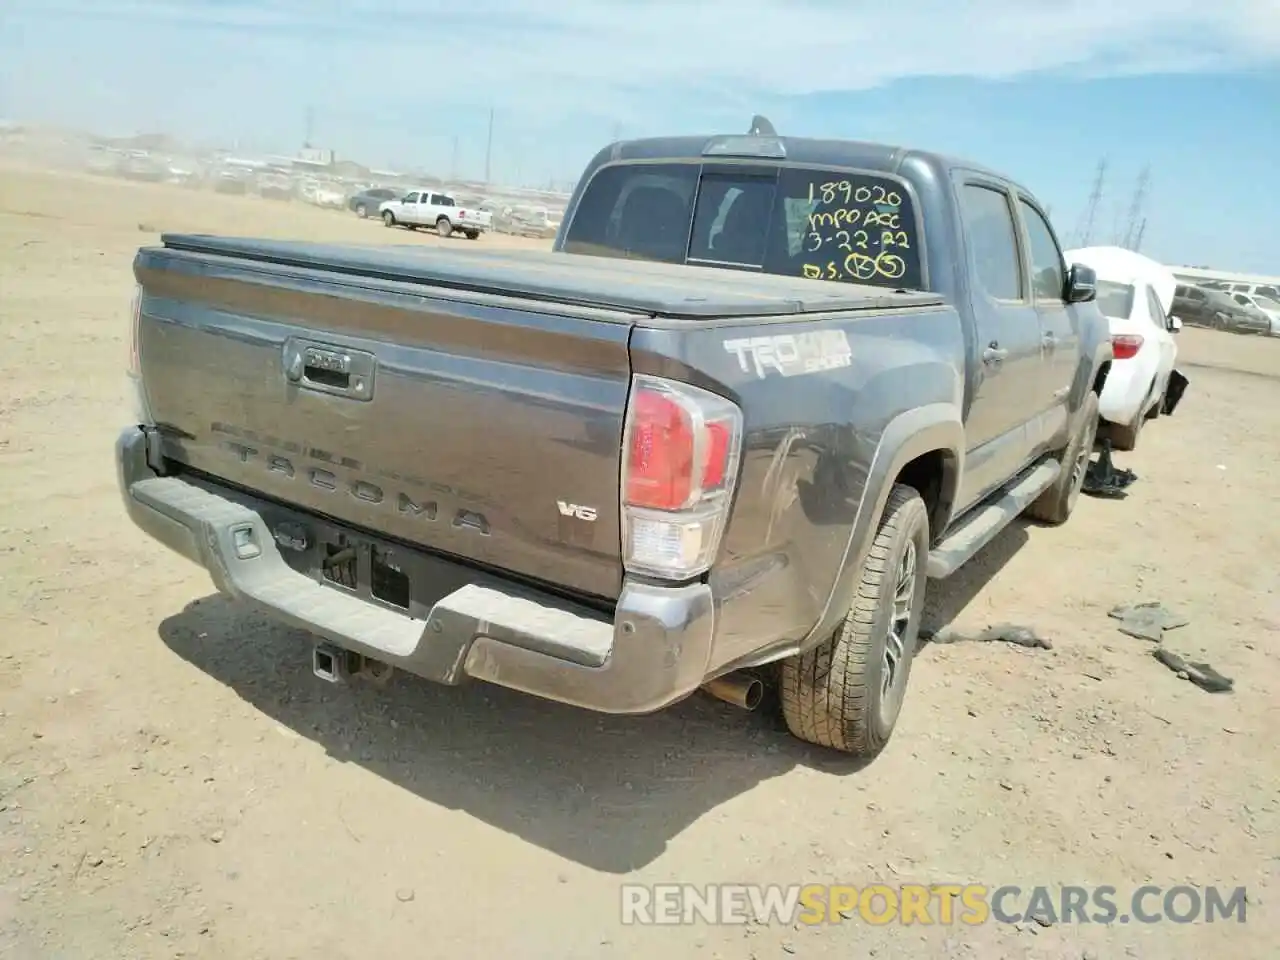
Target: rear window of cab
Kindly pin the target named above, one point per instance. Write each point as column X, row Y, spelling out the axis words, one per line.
column 821, row 224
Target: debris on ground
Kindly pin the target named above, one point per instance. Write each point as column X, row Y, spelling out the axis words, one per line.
column 1013, row 633
column 1201, row 674
column 1103, row 479
column 1147, row 621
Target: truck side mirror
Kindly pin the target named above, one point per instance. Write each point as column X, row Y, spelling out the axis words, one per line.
column 1082, row 284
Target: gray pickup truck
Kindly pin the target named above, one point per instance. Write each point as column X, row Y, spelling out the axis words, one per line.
column 761, row 391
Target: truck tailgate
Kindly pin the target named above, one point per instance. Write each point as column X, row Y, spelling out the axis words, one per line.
column 479, row 426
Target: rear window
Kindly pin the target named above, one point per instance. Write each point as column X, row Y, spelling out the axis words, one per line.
column 824, row 225
column 1115, row 299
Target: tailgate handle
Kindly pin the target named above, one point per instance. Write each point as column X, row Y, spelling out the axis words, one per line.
column 326, row 368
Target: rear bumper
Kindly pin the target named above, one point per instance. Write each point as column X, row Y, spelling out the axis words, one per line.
column 653, row 652
column 1125, row 393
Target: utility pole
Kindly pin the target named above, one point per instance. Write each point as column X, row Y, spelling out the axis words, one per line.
column 1135, row 208
column 488, row 150
column 617, row 132
column 1137, row 243
column 311, row 123
column 453, row 163
column 1091, row 209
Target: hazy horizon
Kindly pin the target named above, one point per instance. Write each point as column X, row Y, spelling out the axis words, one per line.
column 1041, row 91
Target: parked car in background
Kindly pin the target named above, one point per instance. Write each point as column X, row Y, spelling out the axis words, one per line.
column 534, row 222
column 1244, row 317
column 275, row 186
column 1135, row 294
column 1270, row 291
column 426, row 208
column 322, row 194
column 1269, row 307
column 1211, row 308
column 366, row 202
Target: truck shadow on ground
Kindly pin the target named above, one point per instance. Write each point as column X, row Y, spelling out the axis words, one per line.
column 607, row 792
column 952, row 600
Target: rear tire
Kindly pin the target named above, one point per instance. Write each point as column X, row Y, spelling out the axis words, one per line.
column 362, row 211
column 444, row 227
column 1054, row 506
column 847, row 692
column 1123, row 438
column 473, row 234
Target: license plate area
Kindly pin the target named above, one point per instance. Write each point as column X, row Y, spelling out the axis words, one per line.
column 390, row 574
column 365, row 567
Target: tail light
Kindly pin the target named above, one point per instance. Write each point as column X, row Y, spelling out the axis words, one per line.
column 1125, row 345
column 681, row 447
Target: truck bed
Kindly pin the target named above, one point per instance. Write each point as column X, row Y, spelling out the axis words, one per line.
column 633, row 286
column 470, row 402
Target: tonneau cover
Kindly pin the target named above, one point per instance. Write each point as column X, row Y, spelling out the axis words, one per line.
column 653, row 289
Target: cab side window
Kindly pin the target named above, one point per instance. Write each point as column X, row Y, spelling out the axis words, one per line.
column 993, row 241
column 1048, row 275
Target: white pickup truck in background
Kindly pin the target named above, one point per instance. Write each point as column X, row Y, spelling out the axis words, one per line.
column 423, row 208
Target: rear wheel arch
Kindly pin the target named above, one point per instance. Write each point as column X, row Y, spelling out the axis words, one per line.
column 935, row 475
column 925, row 446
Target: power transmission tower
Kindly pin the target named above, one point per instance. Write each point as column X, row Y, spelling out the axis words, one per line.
column 1131, row 234
column 1084, row 233
column 1137, row 243
column 488, row 150
column 453, row 163
column 311, row 123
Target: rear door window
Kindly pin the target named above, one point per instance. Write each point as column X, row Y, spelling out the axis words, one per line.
column 840, row 226
column 992, row 241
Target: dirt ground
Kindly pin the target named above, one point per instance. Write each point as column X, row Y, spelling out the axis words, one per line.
column 175, row 782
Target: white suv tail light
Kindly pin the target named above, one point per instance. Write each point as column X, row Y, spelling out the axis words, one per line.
column 1125, row 346
column 681, row 446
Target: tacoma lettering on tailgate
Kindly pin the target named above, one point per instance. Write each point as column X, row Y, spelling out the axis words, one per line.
column 291, row 460
column 792, row 355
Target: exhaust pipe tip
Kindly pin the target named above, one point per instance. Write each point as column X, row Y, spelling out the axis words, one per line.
column 742, row 690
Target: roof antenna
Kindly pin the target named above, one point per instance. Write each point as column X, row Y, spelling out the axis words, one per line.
column 761, row 127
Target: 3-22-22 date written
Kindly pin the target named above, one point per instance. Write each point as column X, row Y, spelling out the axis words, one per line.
column 859, row 229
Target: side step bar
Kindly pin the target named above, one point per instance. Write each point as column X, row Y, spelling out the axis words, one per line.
column 985, row 521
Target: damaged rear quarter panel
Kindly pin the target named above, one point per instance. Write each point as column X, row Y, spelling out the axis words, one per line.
column 811, row 430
